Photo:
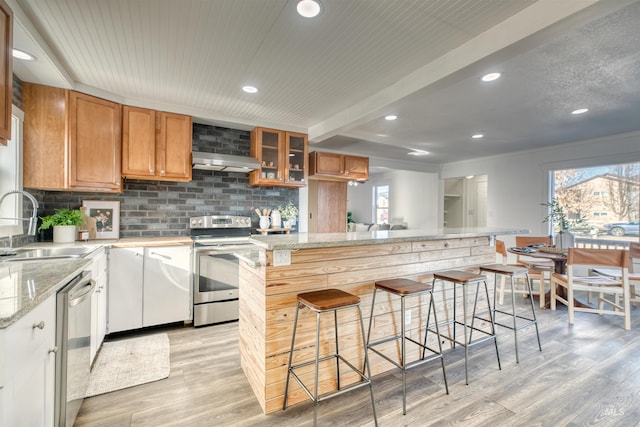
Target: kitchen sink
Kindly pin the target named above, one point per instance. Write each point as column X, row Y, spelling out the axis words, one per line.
column 26, row 254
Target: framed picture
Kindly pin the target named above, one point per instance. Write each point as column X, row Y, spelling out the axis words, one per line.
column 107, row 216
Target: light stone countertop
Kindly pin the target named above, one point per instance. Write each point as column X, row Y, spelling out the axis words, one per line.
column 323, row 240
column 25, row 284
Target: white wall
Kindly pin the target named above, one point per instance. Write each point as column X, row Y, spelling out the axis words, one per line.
column 518, row 183
column 413, row 196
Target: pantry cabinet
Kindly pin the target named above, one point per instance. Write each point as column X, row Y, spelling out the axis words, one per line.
column 6, row 71
column 282, row 157
column 72, row 140
column 338, row 167
column 156, row 145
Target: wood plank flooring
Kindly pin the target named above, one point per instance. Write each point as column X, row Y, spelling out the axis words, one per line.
column 587, row 374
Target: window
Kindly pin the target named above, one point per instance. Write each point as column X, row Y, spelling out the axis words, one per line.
column 381, row 204
column 11, row 177
column 594, row 198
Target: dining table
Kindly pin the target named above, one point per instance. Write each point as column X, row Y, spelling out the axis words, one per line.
column 559, row 265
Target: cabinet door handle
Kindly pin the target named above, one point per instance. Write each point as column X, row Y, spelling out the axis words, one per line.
column 53, row 350
column 39, row 325
column 151, row 170
column 161, row 255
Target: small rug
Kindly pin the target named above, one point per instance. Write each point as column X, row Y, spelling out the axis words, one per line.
column 129, row 362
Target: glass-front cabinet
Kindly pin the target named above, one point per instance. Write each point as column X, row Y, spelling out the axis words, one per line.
column 282, row 157
column 296, row 164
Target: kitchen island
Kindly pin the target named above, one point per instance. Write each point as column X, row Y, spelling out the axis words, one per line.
column 303, row 262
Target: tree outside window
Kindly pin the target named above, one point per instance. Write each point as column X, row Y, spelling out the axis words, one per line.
column 600, row 195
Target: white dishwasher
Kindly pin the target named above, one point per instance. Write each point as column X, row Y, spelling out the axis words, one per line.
column 149, row 286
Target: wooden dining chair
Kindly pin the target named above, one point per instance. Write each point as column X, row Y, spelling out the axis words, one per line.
column 634, row 272
column 539, row 269
column 590, row 259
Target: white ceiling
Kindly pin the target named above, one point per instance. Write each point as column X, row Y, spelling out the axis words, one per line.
column 336, row 76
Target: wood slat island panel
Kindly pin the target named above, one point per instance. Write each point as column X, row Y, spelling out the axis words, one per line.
column 268, row 296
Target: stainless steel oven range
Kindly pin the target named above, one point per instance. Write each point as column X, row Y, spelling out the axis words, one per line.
column 217, row 238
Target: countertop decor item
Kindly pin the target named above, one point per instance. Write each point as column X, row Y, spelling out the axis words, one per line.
column 65, row 224
column 288, row 212
column 107, row 216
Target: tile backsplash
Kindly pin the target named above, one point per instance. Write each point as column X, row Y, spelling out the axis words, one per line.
column 159, row 208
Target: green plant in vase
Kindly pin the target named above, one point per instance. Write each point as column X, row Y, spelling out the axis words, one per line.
column 288, row 213
column 561, row 221
column 65, row 224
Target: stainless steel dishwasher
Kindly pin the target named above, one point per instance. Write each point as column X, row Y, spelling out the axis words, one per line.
column 73, row 338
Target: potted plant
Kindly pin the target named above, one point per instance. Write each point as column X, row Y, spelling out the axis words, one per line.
column 65, row 224
column 288, row 212
column 560, row 221
column 350, row 221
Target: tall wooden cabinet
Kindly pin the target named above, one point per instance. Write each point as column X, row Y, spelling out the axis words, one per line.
column 283, row 158
column 327, row 206
column 72, row 141
column 6, row 71
column 156, row 145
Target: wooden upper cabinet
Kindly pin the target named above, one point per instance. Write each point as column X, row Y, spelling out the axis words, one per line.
column 283, row 158
column 94, row 143
column 296, row 159
column 72, row 141
column 156, row 145
column 356, row 167
column 6, row 71
column 138, row 142
column 338, row 167
column 173, row 146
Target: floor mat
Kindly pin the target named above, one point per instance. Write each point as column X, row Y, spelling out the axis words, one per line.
column 129, row 362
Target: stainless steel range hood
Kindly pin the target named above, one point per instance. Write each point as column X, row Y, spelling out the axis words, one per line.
column 223, row 162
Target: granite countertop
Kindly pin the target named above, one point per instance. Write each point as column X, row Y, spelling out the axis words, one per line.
column 24, row 285
column 321, row 240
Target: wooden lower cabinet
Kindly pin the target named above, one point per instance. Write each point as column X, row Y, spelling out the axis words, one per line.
column 327, row 207
column 72, row 140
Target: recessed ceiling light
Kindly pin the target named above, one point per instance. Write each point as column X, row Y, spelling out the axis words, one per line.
column 477, row 136
column 390, row 117
column 308, row 8
column 21, row 54
column 250, row 89
column 490, row 77
column 382, row 135
column 416, row 152
column 580, row 111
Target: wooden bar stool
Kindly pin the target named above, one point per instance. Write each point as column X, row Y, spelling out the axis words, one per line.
column 464, row 279
column 513, row 271
column 407, row 288
column 320, row 302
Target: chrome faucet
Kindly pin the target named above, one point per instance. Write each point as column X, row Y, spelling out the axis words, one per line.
column 33, row 220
